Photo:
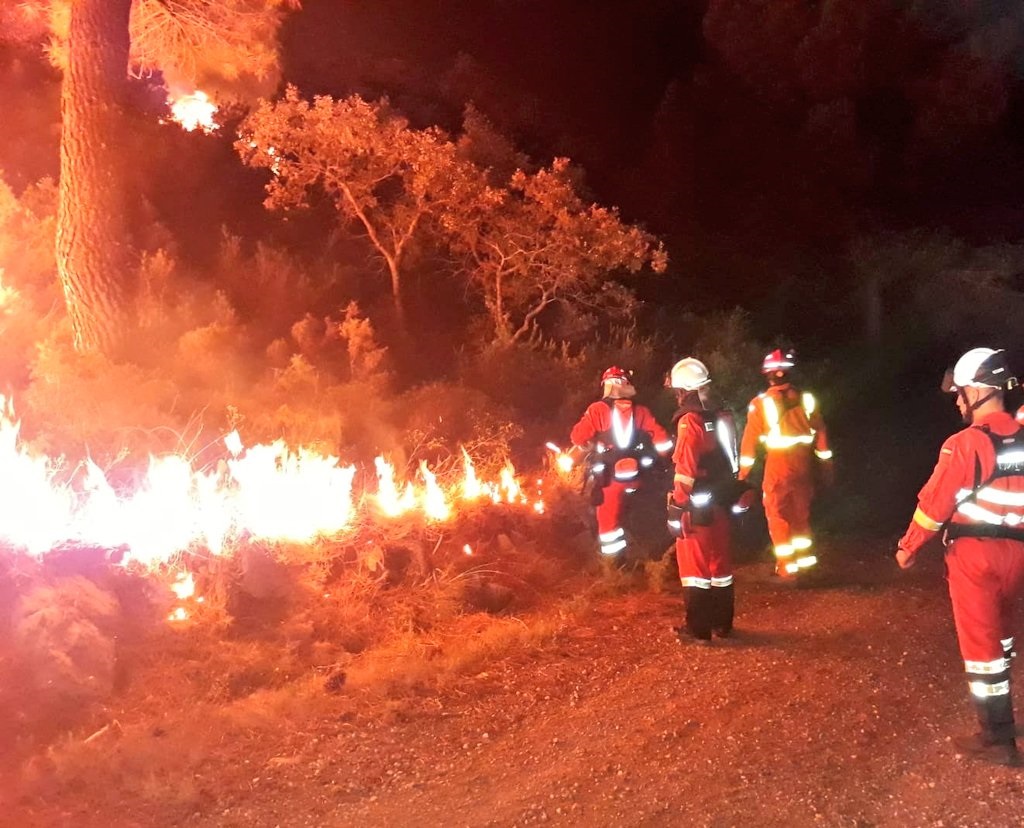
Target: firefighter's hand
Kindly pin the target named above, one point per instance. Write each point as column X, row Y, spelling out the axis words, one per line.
column 745, row 501
column 674, row 499
column 676, row 517
column 905, row 558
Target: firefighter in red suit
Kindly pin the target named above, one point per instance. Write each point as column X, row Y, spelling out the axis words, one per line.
column 787, row 422
column 975, row 497
column 624, row 440
column 704, row 490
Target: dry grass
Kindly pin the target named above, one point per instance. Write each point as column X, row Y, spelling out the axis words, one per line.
column 347, row 641
column 156, row 752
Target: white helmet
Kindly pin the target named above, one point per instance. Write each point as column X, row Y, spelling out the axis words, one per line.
column 688, row 375
column 981, row 368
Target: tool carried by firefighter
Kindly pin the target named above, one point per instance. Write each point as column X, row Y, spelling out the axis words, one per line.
column 786, row 424
column 975, row 500
column 622, row 440
column 704, row 491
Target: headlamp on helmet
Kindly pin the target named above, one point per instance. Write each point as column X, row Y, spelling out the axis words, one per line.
column 778, row 361
column 618, row 375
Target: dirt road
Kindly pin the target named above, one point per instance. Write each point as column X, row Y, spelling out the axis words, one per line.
column 833, row 706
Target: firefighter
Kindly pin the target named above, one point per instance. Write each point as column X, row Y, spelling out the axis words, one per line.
column 788, row 423
column 975, row 498
column 623, row 440
column 704, row 489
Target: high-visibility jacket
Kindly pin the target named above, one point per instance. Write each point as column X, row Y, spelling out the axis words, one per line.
column 977, row 485
column 625, row 435
column 787, row 422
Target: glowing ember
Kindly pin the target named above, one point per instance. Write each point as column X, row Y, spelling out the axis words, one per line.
column 194, row 111
column 178, row 615
column 467, row 549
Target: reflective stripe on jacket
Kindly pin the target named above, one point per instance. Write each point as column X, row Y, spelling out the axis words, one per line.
column 783, row 419
column 967, row 459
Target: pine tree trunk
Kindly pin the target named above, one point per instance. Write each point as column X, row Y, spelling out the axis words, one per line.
column 92, row 245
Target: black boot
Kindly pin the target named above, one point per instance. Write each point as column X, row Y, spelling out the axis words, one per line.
column 698, row 616
column 723, row 607
column 996, row 742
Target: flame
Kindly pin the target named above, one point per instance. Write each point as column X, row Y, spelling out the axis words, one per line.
column 233, row 443
column 183, row 586
column 509, row 486
column 8, row 295
column 563, row 460
column 434, row 503
column 390, row 502
column 264, row 492
column 471, row 487
column 193, row 111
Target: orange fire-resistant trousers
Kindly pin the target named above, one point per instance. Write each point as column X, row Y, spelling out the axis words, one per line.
column 788, row 492
column 609, row 512
column 704, row 556
column 986, row 580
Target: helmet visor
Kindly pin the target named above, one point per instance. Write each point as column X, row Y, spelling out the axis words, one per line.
column 947, row 382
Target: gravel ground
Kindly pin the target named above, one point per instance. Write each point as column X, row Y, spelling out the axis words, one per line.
column 833, row 706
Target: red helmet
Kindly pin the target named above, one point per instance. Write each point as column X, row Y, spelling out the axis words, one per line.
column 615, row 374
column 778, row 361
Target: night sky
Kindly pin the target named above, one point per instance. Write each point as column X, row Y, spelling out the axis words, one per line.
column 696, row 118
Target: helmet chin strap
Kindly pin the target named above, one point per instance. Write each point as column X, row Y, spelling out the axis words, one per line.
column 969, row 413
column 689, row 399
